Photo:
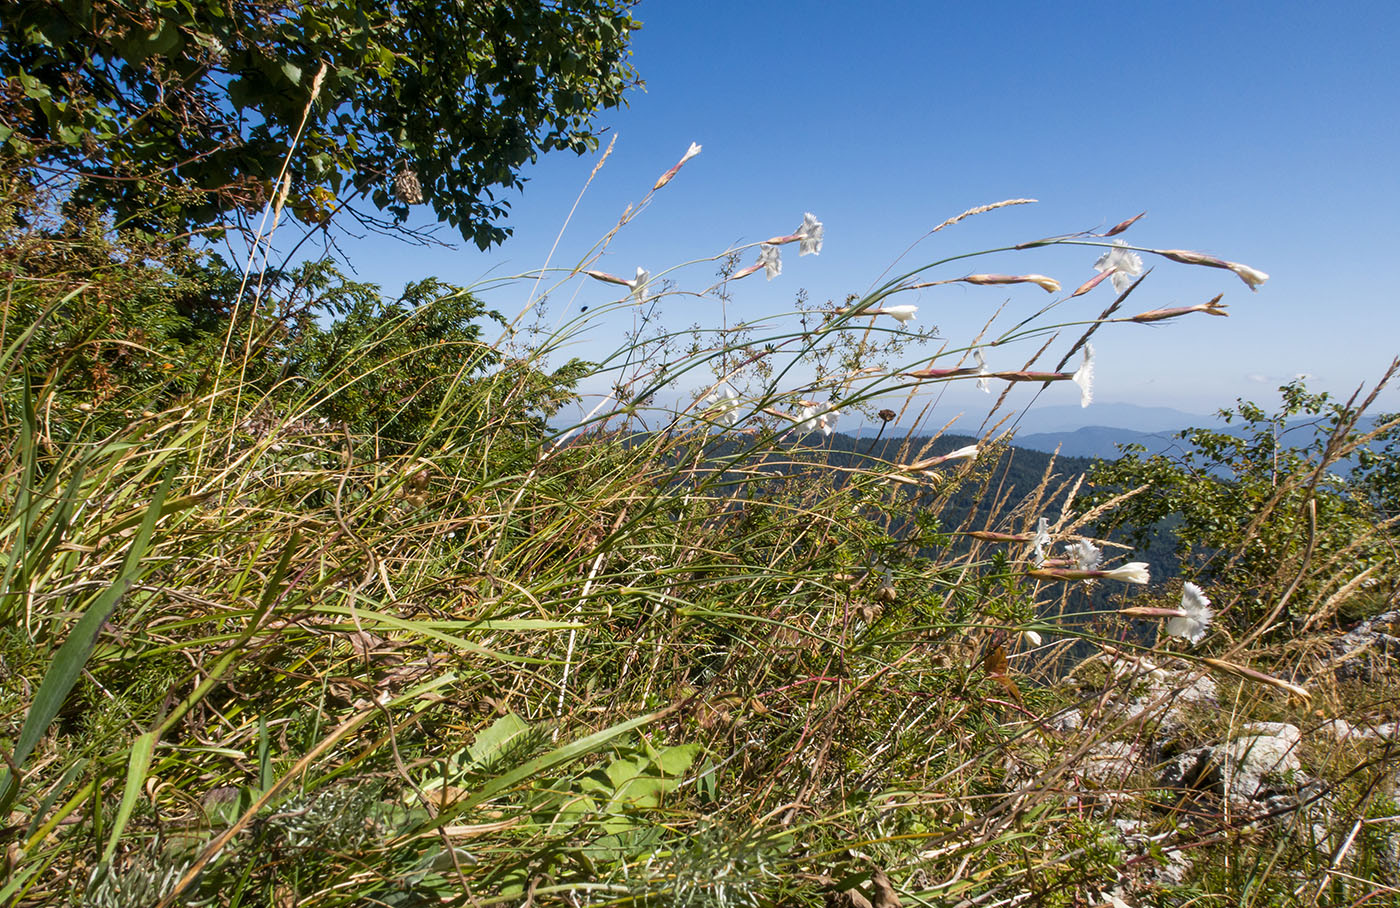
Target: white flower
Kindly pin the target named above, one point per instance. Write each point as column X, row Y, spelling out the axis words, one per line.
column 1084, row 377
column 1031, row 637
column 984, row 383
column 723, row 406
column 817, row 417
column 811, row 232
column 1132, row 572
column 1085, row 555
column 639, row 284
column 768, row 258
column 666, row 177
column 965, row 453
column 1042, row 539
column 1191, row 626
column 1123, row 262
column 901, row 314
column 1251, row 276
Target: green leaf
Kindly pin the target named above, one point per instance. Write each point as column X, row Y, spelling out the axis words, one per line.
column 641, row 792
column 140, row 761
column 621, row 771
column 489, row 745
column 564, row 754
column 674, row 761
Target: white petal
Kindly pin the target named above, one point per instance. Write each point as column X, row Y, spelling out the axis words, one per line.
column 1042, row 539
column 769, row 258
column 812, row 232
column 1085, row 555
column 1132, row 572
column 1193, row 625
column 1084, row 377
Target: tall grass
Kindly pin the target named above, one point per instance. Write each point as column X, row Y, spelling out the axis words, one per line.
column 670, row 654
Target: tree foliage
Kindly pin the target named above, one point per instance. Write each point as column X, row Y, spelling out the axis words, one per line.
column 1270, row 497
column 175, row 113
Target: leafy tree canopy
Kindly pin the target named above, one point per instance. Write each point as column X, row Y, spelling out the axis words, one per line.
column 1239, row 501
column 173, row 113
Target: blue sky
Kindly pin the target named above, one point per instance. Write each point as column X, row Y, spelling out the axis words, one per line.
column 1264, row 133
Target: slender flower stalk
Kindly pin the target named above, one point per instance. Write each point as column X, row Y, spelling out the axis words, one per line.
column 1124, row 225
column 990, row 536
column 1048, row 284
column 670, row 174
column 1214, row 307
column 1132, row 572
column 943, row 373
column 1251, row 276
column 968, row 452
column 1253, row 675
column 608, row 278
column 901, row 314
column 1083, row 376
column 1091, row 283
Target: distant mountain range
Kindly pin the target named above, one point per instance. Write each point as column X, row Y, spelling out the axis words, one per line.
column 1155, row 428
column 1099, row 441
column 1098, row 430
column 1048, row 420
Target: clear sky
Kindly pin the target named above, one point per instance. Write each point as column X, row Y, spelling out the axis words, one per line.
column 1264, row 133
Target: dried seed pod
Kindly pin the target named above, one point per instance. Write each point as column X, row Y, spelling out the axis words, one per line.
column 407, row 189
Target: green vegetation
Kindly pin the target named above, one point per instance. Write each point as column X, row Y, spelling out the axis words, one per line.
column 316, row 597
column 178, row 116
column 1255, row 513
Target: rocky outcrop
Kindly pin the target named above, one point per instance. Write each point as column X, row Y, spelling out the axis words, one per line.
column 1257, row 771
column 1370, row 647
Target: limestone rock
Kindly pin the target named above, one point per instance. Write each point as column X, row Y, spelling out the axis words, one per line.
column 1257, row 770
column 1371, row 646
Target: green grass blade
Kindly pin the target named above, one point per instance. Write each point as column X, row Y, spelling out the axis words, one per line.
column 68, row 662
column 135, row 774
